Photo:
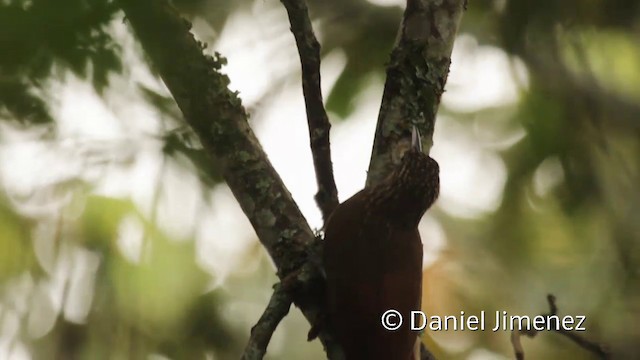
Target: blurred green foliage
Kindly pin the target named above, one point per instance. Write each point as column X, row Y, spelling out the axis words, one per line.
column 579, row 238
column 16, row 253
column 36, row 36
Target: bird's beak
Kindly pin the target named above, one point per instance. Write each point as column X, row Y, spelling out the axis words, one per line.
column 416, row 141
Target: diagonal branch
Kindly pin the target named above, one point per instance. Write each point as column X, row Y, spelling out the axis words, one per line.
column 416, row 75
column 220, row 121
column 319, row 126
column 218, row 118
column 262, row 331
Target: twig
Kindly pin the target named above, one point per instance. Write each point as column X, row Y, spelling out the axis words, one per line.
column 319, row 126
column 598, row 349
column 261, row 333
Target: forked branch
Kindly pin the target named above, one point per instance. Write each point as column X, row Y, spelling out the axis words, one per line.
column 218, row 118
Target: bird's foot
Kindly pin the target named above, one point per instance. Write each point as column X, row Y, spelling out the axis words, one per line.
column 317, row 326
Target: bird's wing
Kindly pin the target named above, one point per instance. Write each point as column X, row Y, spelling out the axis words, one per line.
column 370, row 268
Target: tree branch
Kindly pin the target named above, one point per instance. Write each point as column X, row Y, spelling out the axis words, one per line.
column 416, row 75
column 261, row 333
column 593, row 347
column 220, row 121
column 319, row 126
column 218, row 118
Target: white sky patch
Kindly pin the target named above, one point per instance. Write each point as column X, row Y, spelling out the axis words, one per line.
column 9, row 327
column 352, row 141
column 45, row 245
column 259, row 49
column 82, row 113
column 43, row 314
column 431, row 230
column 482, row 76
column 179, row 202
column 81, row 285
column 400, row 3
column 286, row 140
column 223, row 235
column 15, row 301
column 471, row 178
column 547, row 176
column 138, row 180
column 130, row 238
column 283, row 132
column 14, row 350
column 26, row 165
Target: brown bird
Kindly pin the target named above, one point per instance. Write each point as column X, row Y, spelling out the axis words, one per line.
column 373, row 258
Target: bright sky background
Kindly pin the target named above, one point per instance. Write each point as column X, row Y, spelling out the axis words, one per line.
column 472, row 174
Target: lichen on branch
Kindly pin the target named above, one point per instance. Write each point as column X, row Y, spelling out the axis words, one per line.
column 416, row 74
column 220, row 121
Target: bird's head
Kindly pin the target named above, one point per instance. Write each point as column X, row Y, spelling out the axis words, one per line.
column 418, row 173
column 413, row 186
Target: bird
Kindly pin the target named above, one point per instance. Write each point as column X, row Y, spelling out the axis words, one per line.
column 372, row 258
